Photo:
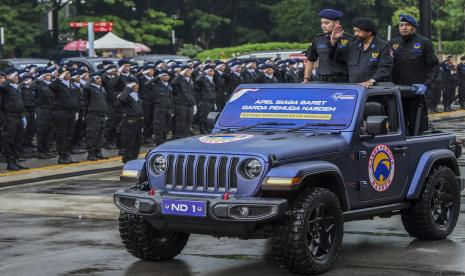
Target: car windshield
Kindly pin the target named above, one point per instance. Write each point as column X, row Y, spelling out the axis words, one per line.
column 319, row 108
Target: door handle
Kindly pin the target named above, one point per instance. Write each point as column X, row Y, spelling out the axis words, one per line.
column 400, row 149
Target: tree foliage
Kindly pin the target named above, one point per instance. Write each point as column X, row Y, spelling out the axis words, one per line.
column 208, row 23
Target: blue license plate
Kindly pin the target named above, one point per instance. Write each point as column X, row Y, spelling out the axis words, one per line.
column 184, row 208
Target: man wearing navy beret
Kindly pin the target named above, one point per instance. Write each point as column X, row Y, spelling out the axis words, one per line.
column 415, row 64
column 328, row 69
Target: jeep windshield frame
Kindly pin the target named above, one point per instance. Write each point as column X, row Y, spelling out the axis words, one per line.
column 323, row 106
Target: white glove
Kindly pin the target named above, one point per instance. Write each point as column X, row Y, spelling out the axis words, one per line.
column 24, row 122
column 195, row 109
column 76, row 116
column 215, row 107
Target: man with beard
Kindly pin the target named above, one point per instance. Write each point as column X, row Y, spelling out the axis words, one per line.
column 416, row 65
column 367, row 58
column 329, row 69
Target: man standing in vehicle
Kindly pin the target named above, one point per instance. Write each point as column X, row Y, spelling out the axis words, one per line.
column 329, row 70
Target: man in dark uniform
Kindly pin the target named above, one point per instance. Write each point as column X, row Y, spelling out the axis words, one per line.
column 433, row 97
column 27, row 93
column 184, row 102
column 162, row 105
column 207, row 97
column 250, row 71
column 291, row 75
column 234, row 79
column 449, row 83
column 148, row 97
column 329, row 69
column 95, row 109
column 461, row 79
column 416, row 65
column 132, row 121
column 43, row 98
column 267, row 76
column 220, row 85
column 64, row 114
column 2, row 80
column 12, row 108
column 78, row 132
column 367, row 58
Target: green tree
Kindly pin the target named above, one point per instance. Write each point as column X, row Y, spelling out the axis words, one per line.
column 153, row 29
column 295, row 20
column 22, row 27
column 206, row 25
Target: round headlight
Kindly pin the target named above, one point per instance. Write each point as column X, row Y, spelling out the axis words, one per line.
column 252, row 168
column 159, row 164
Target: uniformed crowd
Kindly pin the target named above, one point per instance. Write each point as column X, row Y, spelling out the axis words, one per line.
column 63, row 109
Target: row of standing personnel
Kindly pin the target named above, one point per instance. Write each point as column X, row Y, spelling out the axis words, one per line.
column 66, row 105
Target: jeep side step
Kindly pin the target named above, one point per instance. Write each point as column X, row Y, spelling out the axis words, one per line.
column 382, row 211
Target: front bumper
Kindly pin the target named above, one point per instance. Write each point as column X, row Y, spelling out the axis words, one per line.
column 223, row 217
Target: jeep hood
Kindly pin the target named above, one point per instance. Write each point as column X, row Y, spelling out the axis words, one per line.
column 282, row 145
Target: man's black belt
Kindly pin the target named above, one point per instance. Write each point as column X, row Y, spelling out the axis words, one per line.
column 333, row 78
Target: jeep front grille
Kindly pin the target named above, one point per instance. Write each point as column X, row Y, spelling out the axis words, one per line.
column 209, row 173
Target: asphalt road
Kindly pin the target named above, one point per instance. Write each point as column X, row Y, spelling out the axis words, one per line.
column 69, row 227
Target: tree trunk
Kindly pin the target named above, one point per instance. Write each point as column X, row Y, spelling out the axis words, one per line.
column 55, row 23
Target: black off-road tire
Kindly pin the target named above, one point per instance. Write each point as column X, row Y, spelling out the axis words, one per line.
column 292, row 237
column 419, row 220
column 146, row 243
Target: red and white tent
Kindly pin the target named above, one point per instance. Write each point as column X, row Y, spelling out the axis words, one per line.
column 139, row 47
column 77, row 45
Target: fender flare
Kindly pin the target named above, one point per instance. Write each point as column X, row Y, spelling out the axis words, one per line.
column 424, row 166
column 134, row 170
column 307, row 169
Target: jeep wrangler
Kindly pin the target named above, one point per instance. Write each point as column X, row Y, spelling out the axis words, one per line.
column 293, row 163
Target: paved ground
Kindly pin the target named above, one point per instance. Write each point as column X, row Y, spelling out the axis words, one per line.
column 68, row 227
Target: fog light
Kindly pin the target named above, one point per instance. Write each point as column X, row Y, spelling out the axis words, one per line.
column 136, row 205
column 244, row 211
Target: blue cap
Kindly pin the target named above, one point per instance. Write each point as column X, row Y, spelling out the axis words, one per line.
column 95, row 75
column 11, row 70
column 331, row 14
column 267, row 66
column 123, row 61
column 409, row 19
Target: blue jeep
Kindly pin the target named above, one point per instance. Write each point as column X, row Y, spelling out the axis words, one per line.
column 293, row 162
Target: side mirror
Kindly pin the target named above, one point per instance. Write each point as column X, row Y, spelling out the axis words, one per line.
column 377, row 125
column 211, row 119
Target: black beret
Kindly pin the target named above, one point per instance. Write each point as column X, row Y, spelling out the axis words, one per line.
column 11, row 70
column 123, row 61
column 409, row 19
column 208, row 67
column 94, row 75
column 331, row 14
column 365, row 24
column 267, row 66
